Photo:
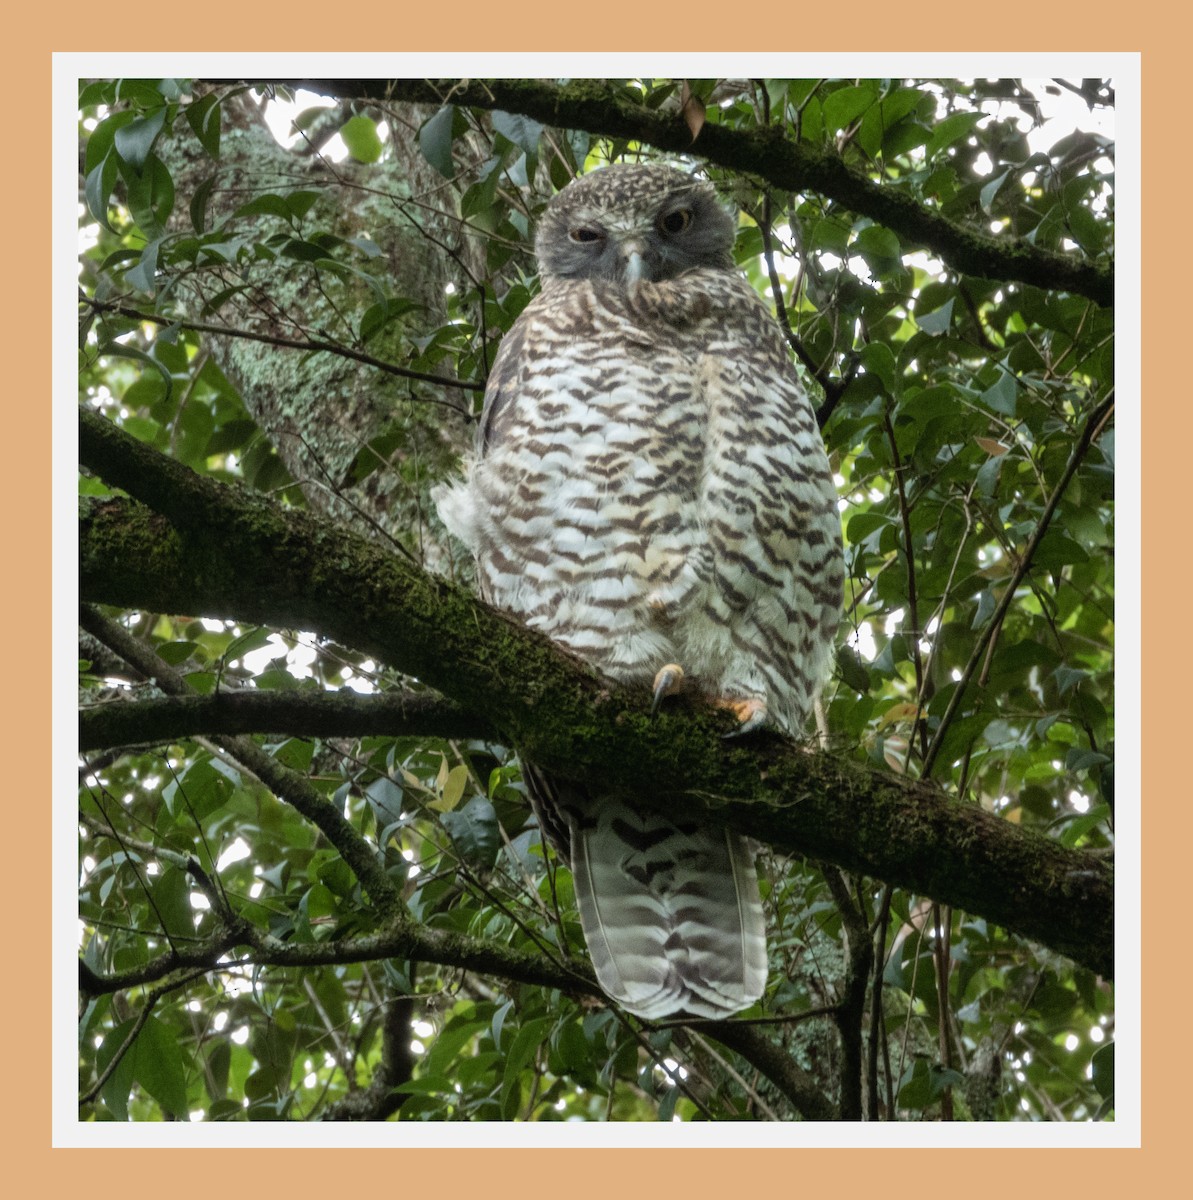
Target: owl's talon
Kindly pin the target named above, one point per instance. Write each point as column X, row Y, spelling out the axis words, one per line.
column 667, row 681
column 751, row 713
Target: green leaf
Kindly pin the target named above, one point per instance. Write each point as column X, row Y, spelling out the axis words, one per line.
column 863, row 524
column 879, row 360
column 119, row 350
column 853, row 670
column 103, row 139
column 1078, row 759
column 379, row 315
column 846, row 104
column 151, row 197
column 203, row 116
column 521, row 1054
column 361, row 137
column 144, row 275
column 201, row 788
column 101, row 91
column 950, row 130
column 295, row 753
column 134, row 141
column 524, row 132
column 435, row 141
column 1102, row 1064
column 172, row 900
column 1077, row 828
column 474, row 830
column 176, row 652
column 268, row 205
column 1056, row 550
column 939, row 320
column 453, row 788
column 98, row 187
column 991, row 189
column 1068, row 678
column 879, row 247
column 216, row 1076
column 943, row 1077
column 246, row 643
column 118, row 1085
column 159, row 1068
column 300, row 203
column 1002, row 396
column 198, row 205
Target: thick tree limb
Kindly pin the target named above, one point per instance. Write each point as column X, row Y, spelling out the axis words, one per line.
column 598, row 107
column 213, row 550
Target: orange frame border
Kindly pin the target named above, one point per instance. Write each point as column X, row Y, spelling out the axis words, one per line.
column 865, row 26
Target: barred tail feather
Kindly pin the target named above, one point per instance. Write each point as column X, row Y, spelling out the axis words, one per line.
column 670, row 911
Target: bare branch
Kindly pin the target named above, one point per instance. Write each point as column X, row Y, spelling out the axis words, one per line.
column 120, row 722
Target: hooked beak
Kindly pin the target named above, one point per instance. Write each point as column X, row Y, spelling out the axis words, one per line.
column 634, row 264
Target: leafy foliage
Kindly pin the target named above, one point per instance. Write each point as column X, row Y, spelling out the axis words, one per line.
column 968, row 420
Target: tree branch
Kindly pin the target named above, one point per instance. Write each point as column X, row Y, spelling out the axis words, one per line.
column 287, row 785
column 598, row 107
column 306, row 713
column 213, row 550
column 307, row 345
column 399, row 938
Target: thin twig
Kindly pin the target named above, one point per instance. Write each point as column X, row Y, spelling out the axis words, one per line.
column 1091, row 429
column 306, row 345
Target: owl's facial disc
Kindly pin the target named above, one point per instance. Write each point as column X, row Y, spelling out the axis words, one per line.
column 632, row 223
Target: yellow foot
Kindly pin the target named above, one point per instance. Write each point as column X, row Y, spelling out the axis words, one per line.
column 751, row 713
column 667, row 682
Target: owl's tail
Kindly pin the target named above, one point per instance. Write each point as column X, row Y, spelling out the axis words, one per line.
column 670, row 909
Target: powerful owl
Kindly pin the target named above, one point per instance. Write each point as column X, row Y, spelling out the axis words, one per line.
column 650, row 489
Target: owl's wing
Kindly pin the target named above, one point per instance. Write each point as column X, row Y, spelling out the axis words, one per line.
column 501, row 385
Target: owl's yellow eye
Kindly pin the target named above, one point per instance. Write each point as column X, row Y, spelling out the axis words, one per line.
column 585, row 235
column 677, row 221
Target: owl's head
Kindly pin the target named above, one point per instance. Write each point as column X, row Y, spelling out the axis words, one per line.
column 633, row 221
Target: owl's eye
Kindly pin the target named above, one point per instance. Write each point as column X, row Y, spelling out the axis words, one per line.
column 584, row 235
column 677, row 221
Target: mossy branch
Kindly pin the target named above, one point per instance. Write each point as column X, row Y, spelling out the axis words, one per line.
column 212, row 550
column 601, row 107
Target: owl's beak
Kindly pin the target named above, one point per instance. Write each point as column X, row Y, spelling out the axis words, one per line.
column 635, row 259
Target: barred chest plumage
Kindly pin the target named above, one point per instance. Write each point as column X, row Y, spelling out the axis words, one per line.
column 654, row 489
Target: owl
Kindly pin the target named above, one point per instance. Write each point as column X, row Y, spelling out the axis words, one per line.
column 650, row 490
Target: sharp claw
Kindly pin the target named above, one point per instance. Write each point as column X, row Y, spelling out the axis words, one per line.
column 668, row 681
column 751, row 713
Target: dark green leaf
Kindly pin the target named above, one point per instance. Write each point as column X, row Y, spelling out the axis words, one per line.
column 845, row 105
column 474, row 831
column 204, row 116
column 134, row 141
column 435, row 141
column 159, row 1067
column 524, row 132
column 98, row 189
